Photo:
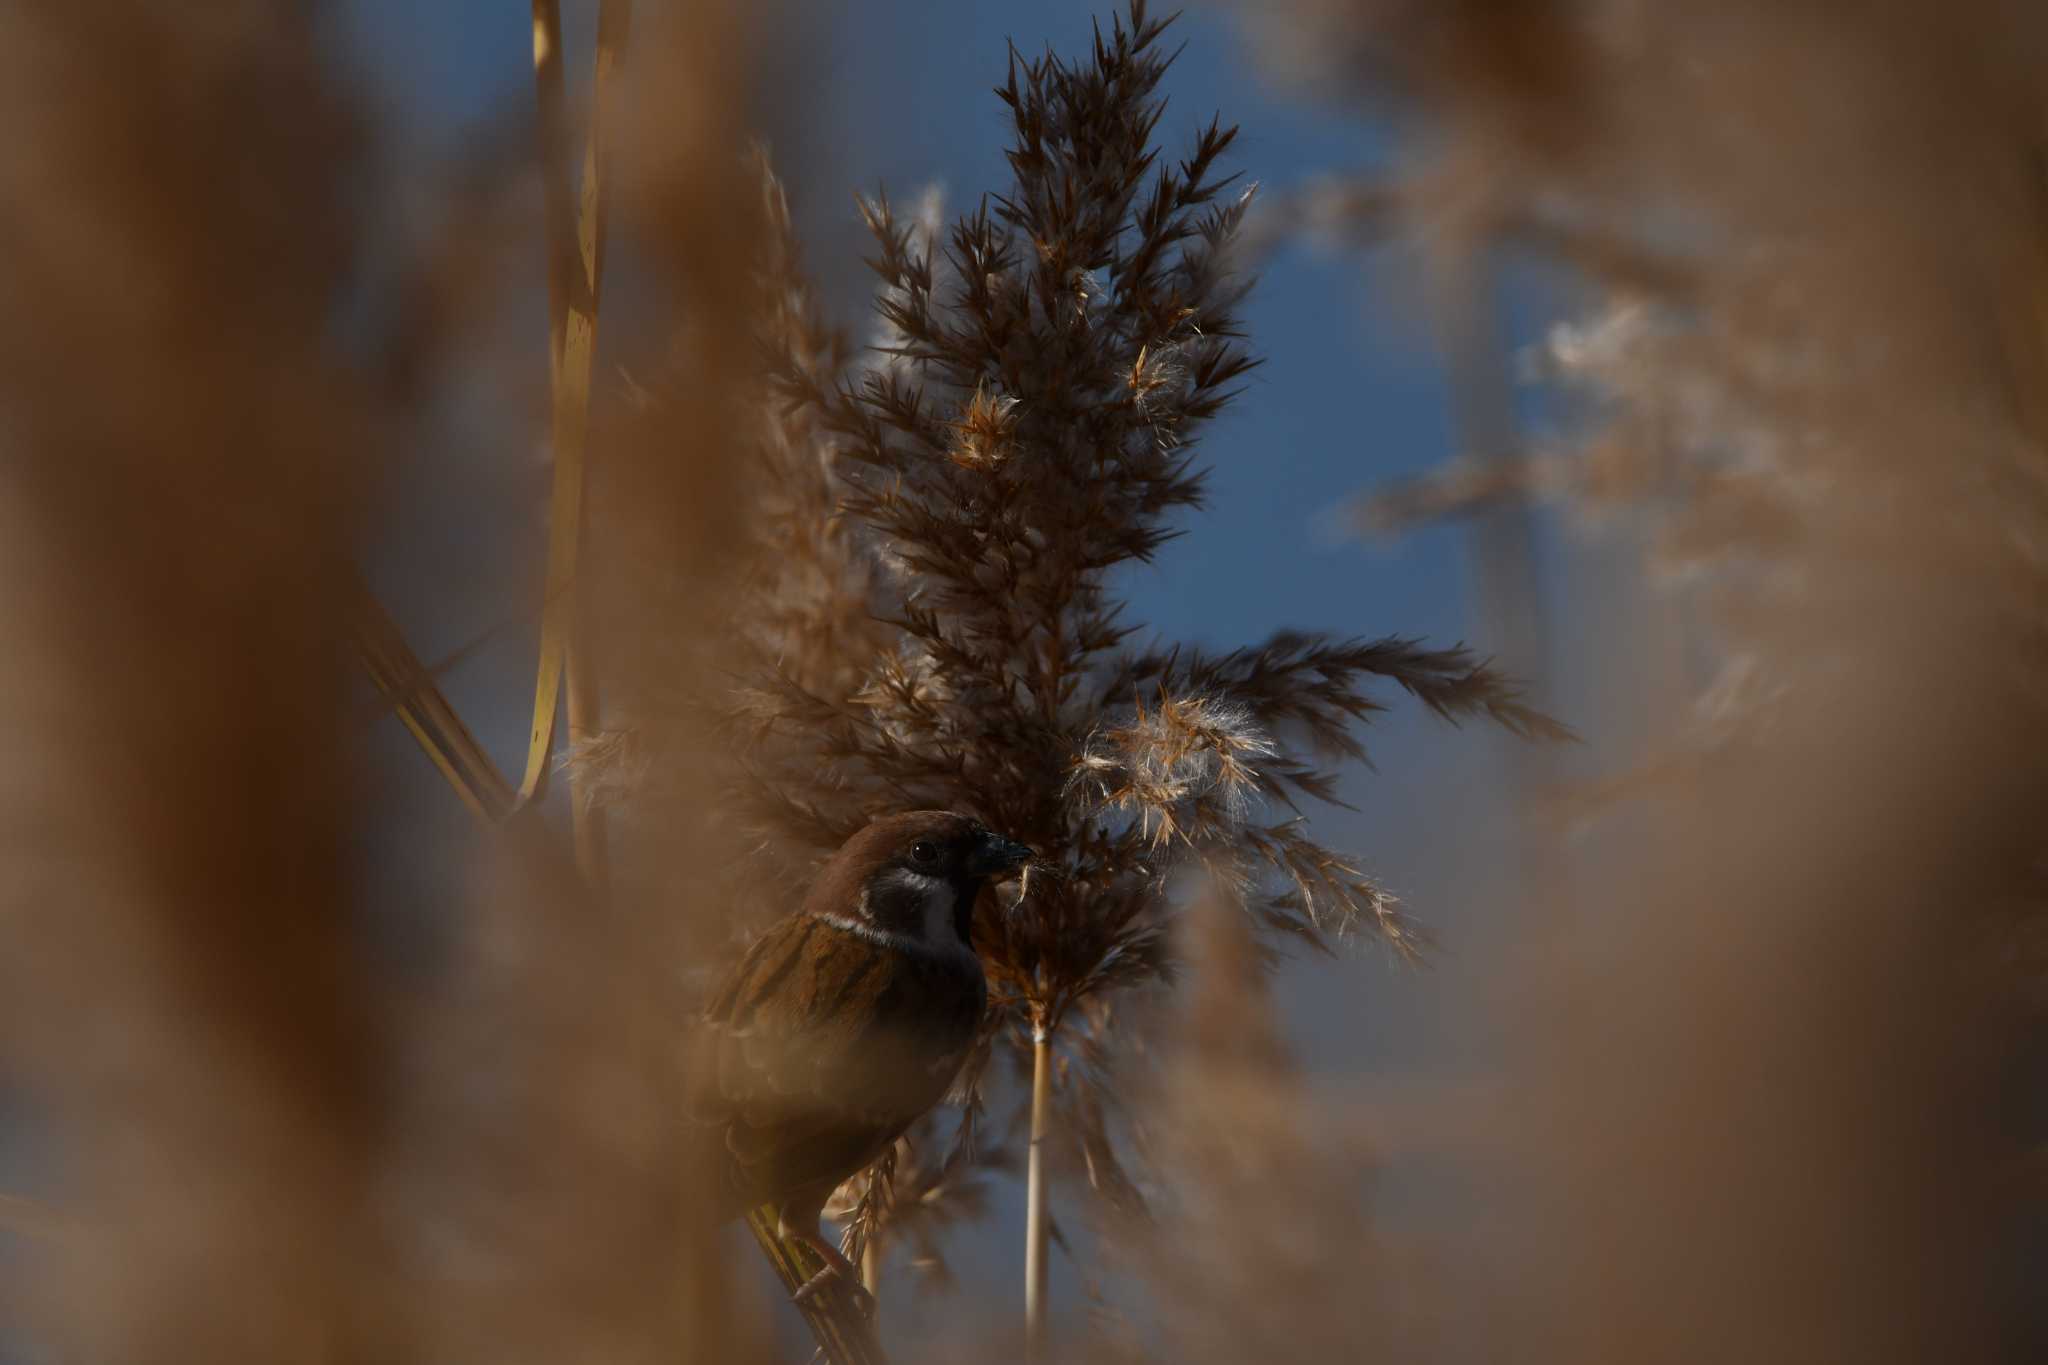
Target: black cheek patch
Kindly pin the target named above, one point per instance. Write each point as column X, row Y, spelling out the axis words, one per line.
column 895, row 907
column 963, row 911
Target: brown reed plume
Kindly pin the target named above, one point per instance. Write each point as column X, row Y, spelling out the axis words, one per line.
column 948, row 636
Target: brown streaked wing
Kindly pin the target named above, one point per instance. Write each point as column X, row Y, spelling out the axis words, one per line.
column 823, row 1048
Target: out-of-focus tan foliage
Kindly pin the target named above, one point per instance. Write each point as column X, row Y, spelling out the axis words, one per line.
column 247, row 1134
column 185, row 1008
column 1757, row 1103
column 574, row 1222
column 1811, row 236
column 1265, row 1198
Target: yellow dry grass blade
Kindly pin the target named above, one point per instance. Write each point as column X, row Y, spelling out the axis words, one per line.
column 614, row 22
column 565, row 502
column 576, row 237
column 409, row 687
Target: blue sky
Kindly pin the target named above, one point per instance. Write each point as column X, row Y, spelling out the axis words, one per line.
column 896, row 93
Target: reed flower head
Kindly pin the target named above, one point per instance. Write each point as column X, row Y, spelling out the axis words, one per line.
column 1029, row 423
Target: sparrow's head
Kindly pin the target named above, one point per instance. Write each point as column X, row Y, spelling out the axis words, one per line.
column 915, row 875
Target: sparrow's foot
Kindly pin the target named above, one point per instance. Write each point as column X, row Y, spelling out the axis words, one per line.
column 856, row 1292
column 837, row 1267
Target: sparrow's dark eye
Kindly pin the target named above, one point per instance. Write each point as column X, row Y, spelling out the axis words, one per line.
column 924, row 852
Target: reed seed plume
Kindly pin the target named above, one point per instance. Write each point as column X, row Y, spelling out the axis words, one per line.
column 948, row 637
column 1029, row 427
column 922, row 598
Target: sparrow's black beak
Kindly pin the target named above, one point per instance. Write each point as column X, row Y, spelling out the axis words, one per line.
column 993, row 855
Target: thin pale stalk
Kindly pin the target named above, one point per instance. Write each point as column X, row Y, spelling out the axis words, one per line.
column 1035, row 1225
column 1503, row 535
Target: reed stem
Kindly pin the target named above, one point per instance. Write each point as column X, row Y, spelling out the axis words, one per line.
column 1035, row 1223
